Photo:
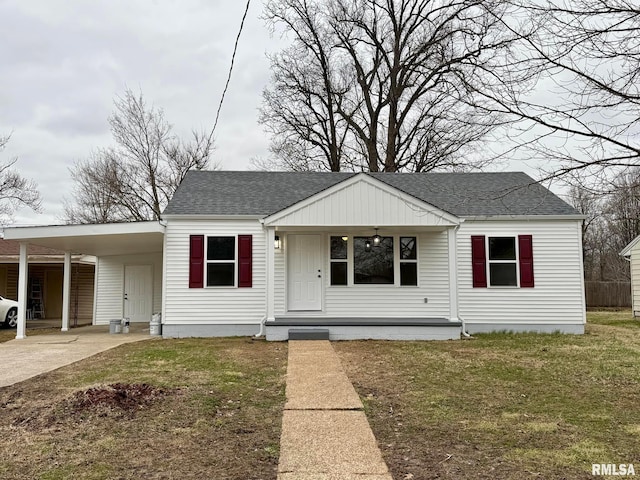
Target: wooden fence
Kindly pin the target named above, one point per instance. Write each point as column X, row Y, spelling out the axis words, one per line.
column 608, row 294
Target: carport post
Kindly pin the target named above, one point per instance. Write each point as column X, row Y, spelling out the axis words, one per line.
column 66, row 291
column 23, row 276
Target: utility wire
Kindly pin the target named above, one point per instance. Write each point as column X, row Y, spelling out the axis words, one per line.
column 226, row 86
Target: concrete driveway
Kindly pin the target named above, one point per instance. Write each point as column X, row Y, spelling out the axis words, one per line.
column 23, row 359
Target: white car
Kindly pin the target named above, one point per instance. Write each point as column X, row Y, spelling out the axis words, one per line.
column 8, row 312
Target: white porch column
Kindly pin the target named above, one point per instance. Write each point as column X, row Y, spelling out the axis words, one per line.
column 66, row 291
column 23, row 278
column 452, row 236
column 271, row 261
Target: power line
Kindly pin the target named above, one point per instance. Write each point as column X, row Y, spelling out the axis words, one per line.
column 233, row 58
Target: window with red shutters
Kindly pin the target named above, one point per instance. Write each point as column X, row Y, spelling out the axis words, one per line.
column 196, row 261
column 479, row 261
column 525, row 257
column 245, row 259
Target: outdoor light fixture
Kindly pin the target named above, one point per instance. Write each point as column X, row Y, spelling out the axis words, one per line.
column 376, row 239
column 277, row 244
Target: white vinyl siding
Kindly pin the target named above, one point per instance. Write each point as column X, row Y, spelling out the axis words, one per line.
column 635, row 279
column 110, row 284
column 558, row 295
column 369, row 202
column 384, row 300
column 211, row 305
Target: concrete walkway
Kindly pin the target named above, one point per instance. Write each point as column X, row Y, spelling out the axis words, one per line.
column 36, row 354
column 325, row 434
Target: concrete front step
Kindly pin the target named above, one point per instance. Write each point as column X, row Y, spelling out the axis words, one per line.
column 308, row 334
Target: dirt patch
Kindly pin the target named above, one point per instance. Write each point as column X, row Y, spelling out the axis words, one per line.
column 188, row 409
column 117, row 396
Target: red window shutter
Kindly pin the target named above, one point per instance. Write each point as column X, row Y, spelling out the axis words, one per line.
column 525, row 248
column 245, row 256
column 478, row 261
column 196, row 261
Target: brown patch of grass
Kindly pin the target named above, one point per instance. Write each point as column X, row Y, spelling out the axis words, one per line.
column 188, row 408
column 507, row 406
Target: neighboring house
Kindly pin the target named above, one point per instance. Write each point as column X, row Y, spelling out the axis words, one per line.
column 632, row 253
column 366, row 255
column 44, row 292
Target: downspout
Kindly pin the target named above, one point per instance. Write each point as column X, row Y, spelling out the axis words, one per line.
column 464, row 327
column 261, row 332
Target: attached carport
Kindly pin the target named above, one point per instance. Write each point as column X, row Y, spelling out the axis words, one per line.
column 99, row 240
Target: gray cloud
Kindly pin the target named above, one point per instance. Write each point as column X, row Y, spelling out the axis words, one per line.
column 63, row 62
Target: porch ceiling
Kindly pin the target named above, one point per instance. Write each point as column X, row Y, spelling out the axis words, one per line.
column 99, row 240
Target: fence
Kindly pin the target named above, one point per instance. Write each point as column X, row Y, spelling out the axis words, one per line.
column 608, row 294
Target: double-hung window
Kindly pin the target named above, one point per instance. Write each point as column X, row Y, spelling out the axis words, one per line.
column 338, row 259
column 408, row 261
column 505, row 261
column 221, row 261
column 503, row 264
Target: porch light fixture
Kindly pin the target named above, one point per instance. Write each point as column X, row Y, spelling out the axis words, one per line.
column 277, row 244
column 376, row 239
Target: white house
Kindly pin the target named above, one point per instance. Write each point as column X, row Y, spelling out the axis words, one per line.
column 632, row 253
column 366, row 255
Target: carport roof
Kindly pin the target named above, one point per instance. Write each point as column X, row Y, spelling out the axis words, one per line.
column 95, row 239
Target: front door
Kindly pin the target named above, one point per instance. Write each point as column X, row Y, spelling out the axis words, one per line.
column 304, row 272
column 138, row 292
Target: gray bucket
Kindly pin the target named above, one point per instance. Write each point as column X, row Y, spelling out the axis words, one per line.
column 125, row 325
column 115, row 326
column 155, row 326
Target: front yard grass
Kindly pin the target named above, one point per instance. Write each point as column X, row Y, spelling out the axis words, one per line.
column 504, row 406
column 179, row 409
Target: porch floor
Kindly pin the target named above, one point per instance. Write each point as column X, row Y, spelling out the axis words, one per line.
column 360, row 328
column 301, row 320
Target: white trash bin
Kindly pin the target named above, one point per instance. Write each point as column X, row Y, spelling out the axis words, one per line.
column 115, row 326
column 155, row 326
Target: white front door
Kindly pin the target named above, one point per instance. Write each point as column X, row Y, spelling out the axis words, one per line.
column 138, row 292
column 304, row 272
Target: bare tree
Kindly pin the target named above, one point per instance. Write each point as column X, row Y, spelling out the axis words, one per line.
column 613, row 220
column 135, row 179
column 386, row 85
column 587, row 56
column 15, row 190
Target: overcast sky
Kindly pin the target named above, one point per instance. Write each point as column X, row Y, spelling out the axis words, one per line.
column 64, row 61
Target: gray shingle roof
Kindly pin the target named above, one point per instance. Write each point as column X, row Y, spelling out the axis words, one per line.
column 265, row 193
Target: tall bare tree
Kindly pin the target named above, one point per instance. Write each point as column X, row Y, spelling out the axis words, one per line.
column 15, row 190
column 134, row 179
column 386, row 84
column 612, row 221
column 587, row 55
